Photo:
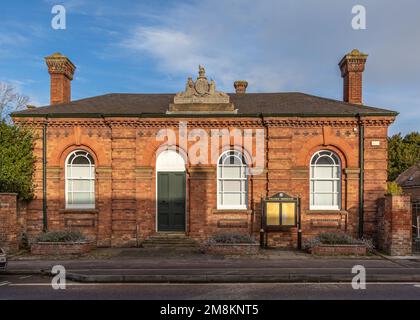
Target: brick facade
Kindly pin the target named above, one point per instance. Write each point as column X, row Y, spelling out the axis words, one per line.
column 125, row 152
column 121, row 134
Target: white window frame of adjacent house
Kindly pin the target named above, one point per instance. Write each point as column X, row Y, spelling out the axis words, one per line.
column 73, row 177
column 223, row 180
column 325, row 181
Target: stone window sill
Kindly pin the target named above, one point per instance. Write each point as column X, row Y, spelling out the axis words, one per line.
column 326, row 212
column 79, row 211
column 231, row 211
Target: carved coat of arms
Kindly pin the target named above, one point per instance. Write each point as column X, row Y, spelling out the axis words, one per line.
column 201, row 91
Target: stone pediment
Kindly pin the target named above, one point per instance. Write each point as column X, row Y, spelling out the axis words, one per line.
column 201, row 96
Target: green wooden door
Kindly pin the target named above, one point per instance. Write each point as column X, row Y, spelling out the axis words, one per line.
column 171, row 201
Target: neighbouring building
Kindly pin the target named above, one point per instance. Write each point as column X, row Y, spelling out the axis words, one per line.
column 123, row 167
column 409, row 181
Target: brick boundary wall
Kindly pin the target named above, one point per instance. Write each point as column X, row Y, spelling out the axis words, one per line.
column 55, row 248
column 240, row 249
column 395, row 225
column 9, row 229
column 331, row 250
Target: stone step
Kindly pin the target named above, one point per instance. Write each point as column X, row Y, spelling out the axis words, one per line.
column 179, row 244
column 168, row 240
column 168, row 245
column 169, row 235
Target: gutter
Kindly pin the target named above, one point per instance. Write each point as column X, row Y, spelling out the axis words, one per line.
column 361, row 177
column 44, row 178
column 180, row 115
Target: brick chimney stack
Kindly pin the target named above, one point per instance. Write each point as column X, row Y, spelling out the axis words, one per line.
column 240, row 86
column 352, row 66
column 61, row 70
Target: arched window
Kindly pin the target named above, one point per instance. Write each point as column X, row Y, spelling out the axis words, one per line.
column 325, row 181
column 232, row 181
column 80, row 180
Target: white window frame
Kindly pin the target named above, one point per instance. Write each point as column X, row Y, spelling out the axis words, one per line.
column 243, row 166
column 68, row 180
column 336, row 181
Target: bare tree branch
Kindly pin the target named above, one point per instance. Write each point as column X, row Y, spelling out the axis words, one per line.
column 10, row 101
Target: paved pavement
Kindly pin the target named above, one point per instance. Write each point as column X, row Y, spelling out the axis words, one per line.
column 151, row 266
column 27, row 287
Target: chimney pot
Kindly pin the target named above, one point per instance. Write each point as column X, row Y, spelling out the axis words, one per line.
column 61, row 70
column 352, row 66
column 240, row 86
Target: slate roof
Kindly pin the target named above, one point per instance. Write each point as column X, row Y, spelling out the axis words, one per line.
column 410, row 177
column 249, row 104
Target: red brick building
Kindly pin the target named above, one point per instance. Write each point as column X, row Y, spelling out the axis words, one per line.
column 104, row 168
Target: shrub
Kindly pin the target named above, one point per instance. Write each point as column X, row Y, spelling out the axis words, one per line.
column 17, row 161
column 336, row 238
column 61, row 236
column 394, row 189
column 331, row 238
column 231, row 238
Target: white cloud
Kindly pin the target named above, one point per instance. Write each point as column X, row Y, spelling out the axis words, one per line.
column 180, row 52
column 288, row 46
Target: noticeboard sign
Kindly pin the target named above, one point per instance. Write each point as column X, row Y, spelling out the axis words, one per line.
column 280, row 211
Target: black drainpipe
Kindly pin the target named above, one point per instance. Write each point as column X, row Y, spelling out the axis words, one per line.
column 263, row 233
column 362, row 175
column 44, row 178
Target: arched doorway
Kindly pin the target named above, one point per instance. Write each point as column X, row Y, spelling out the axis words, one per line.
column 170, row 192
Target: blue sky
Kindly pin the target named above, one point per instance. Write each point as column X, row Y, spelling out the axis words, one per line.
column 153, row 46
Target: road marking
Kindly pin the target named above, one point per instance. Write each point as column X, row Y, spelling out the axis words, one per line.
column 25, row 277
column 416, row 284
column 237, row 268
column 4, row 283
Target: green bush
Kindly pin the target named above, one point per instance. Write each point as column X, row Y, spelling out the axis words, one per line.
column 16, row 161
column 394, row 189
column 403, row 152
column 61, row 236
column 231, row 238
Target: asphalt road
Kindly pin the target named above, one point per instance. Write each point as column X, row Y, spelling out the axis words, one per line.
column 39, row 288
